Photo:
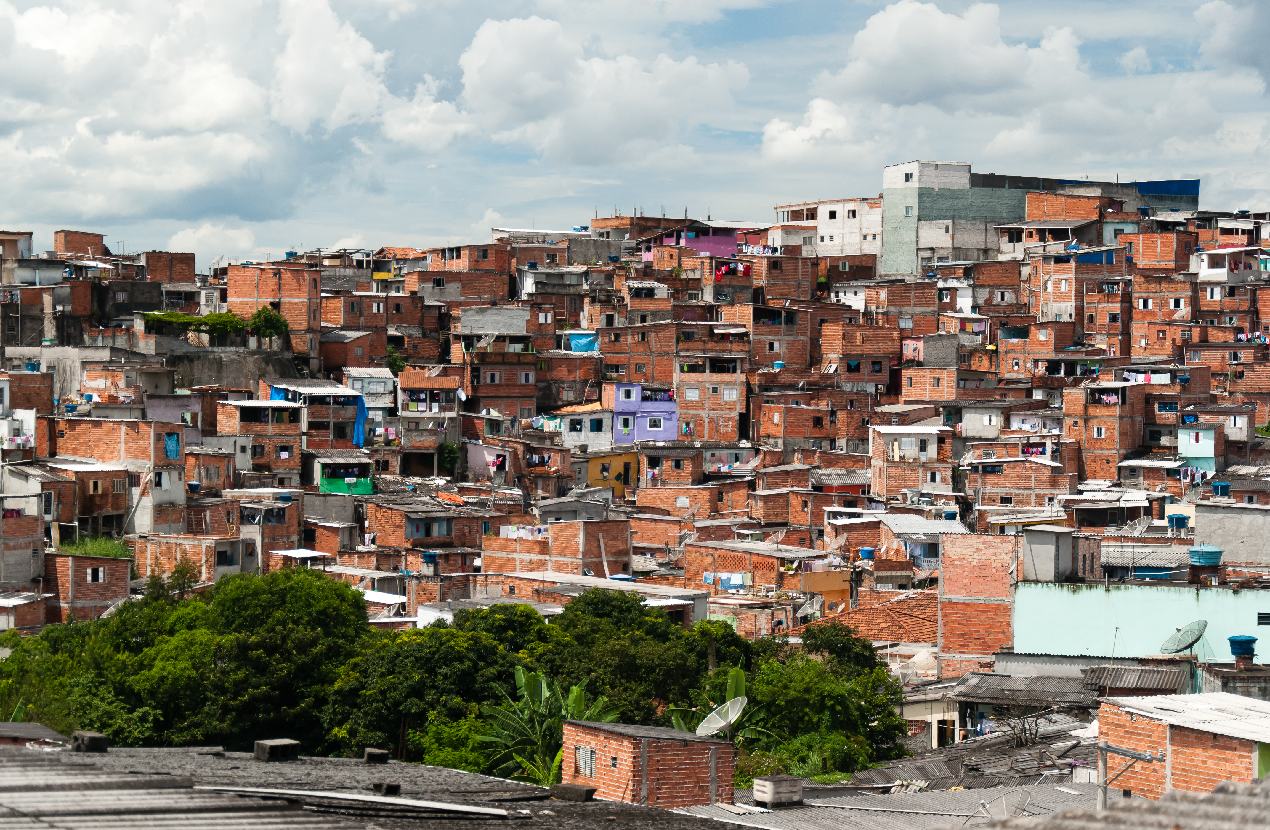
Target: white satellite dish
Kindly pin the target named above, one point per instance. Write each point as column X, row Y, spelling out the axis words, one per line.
column 811, row 607
column 722, row 718
column 1185, row 637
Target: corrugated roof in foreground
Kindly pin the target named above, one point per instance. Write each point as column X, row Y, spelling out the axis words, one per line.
column 1216, row 712
column 1229, row 805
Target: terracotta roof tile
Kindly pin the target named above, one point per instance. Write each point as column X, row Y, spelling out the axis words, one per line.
column 912, row 617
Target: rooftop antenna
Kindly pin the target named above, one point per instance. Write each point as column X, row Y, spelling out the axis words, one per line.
column 1185, row 638
column 722, row 718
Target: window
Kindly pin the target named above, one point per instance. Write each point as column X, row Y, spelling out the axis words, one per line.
column 94, row 487
column 625, row 424
column 378, row 308
column 526, row 377
column 614, row 336
column 817, row 421
column 1177, row 302
column 315, row 284
column 1043, row 334
column 1194, row 357
column 908, row 177
column 357, row 351
column 934, row 382
column 643, row 337
column 906, row 323
column 640, row 368
column 851, row 214
column 438, row 282
column 822, row 239
column 677, row 463
column 575, row 425
column 1250, row 499
column 97, row 574
column 932, row 477
column 1062, row 285
column 654, row 423
column 729, row 394
column 1144, row 303
column 945, row 295
column 482, row 253
column 1100, row 432
column 773, row 346
column 352, row 308
column 396, row 308
column 584, row 761
column 1007, row 500
column 908, row 209
column 283, row 450
column 597, row 424
column 833, row 214
column 876, row 367
column 121, row 297
column 1161, row 335
column 1166, row 406
column 908, row 381
column 493, row 377
column 553, row 258
column 692, row 393
column 628, row 394
column 1263, row 619
column 1214, row 292
column 545, row 317
column 119, row 485
column 1154, row 435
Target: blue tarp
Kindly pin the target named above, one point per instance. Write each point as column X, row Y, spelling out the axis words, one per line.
column 277, row 393
column 584, row 342
column 359, row 428
column 172, row 445
column 1097, row 258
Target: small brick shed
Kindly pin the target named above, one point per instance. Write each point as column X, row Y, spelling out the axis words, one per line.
column 649, row 765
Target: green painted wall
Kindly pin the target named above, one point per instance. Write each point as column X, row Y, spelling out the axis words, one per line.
column 360, row 487
column 899, row 232
column 1131, row 620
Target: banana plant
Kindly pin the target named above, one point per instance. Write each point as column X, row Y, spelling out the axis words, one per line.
column 744, row 728
column 527, row 737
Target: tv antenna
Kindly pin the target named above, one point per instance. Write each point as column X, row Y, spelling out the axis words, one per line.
column 722, row 718
column 1010, row 805
column 1184, row 638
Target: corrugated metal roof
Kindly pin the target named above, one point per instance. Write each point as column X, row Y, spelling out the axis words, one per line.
column 903, row 524
column 1144, row 556
column 1134, row 677
column 1043, row 689
column 1218, row 713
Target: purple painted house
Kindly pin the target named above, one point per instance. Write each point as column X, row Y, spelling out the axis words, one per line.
column 644, row 413
column 707, row 238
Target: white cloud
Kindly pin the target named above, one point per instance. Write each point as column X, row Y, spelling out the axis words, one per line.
column 424, row 122
column 327, row 71
column 1135, row 60
column 209, row 241
column 528, row 83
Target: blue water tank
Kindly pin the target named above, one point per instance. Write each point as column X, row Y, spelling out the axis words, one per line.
column 951, row 515
column 285, row 498
column 780, row 364
column 1242, row 645
column 1205, row 556
column 1179, row 521
column 866, row 553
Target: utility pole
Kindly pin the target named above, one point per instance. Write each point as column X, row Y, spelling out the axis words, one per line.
column 1104, row 750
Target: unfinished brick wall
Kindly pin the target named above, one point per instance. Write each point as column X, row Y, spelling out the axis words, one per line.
column 83, row 243
column 163, row 266
column 976, row 597
column 654, row 771
column 75, row 598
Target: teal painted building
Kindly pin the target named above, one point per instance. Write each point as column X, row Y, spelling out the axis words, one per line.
column 1131, row 620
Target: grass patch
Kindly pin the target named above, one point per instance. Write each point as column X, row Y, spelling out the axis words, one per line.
column 96, row 546
column 1264, row 430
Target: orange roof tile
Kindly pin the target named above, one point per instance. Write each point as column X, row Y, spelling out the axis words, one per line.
column 598, row 406
column 912, row 617
column 450, row 498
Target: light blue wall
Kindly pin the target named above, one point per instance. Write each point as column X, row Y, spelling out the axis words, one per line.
column 899, row 232
column 1202, row 454
column 1131, row 620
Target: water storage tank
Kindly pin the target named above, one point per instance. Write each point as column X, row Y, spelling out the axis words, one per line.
column 780, row 364
column 951, row 515
column 1221, row 488
column 1179, row 521
column 1205, row 555
column 866, row 553
column 1242, row 645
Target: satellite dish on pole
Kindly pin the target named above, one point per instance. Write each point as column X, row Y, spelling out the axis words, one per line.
column 1184, row 638
column 722, row 718
column 811, row 607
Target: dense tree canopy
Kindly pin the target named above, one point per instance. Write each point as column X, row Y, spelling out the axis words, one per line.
column 290, row 655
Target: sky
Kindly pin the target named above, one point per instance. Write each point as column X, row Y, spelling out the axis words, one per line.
column 245, row 128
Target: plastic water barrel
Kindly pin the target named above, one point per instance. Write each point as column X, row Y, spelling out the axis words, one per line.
column 1242, row 645
column 866, row 553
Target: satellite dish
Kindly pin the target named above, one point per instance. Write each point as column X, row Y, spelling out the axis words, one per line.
column 722, row 718
column 811, row 607
column 1184, row 637
column 588, row 572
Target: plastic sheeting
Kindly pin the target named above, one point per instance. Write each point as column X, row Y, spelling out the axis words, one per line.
column 584, row 342
column 172, row 445
column 277, row 393
column 359, row 426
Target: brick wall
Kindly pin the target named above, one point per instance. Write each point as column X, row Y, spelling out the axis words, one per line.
column 66, row 577
column 163, row 266
column 79, row 242
column 975, row 599
column 651, row 771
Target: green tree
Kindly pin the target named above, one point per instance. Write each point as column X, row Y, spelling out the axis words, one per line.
column 447, row 457
column 395, row 361
column 527, row 735
column 396, row 679
column 837, row 644
column 268, row 323
column 451, row 742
